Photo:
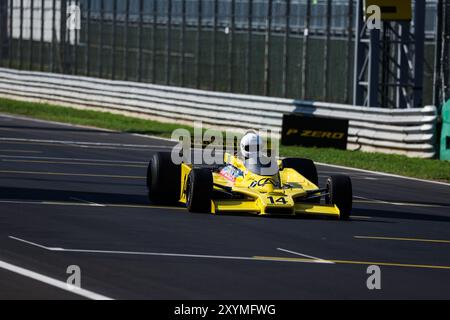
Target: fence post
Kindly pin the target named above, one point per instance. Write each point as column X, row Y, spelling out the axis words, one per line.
column 168, row 41
column 140, row 42
column 41, row 40
column 77, row 39
column 21, row 36
column 267, row 48
column 327, row 50
column 305, row 49
column 68, row 49
column 231, row 45
column 113, row 40
column 214, row 44
column 182, row 42
column 419, row 47
column 249, row 46
column 10, row 43
column 30, row 44
column 100, row 38
column 125, row 40
column 348, row 58
column 3, row 28
column 286, row 48
column 446, row 53
column 198, row 44
column 53, row 44
column 358, row 64
column 154, row 30
column 437, row 54
column 63, row 37
column 87, row 52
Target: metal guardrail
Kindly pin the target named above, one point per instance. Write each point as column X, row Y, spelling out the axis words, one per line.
column 410, row 132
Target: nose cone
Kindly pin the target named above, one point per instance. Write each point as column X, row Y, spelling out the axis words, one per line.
column 268, row 188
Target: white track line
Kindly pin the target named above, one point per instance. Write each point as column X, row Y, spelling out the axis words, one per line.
column 154, row 138
column 35, row 244
column 94, row 204
column 44, row 203
column 52, row 282
column 383, row 174
column 91, row 164
column 69, row 174
column 362, row 217
column 63, row 204
column 71, row 159
column 401, row 204
column 177, row 255
column 20, row 151
column 86, row 143
column 305, row 256
column 83, row 204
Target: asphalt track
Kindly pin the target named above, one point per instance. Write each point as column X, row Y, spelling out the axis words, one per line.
column 77, row 196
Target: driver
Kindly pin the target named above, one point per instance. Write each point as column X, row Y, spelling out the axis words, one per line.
column 250, row 147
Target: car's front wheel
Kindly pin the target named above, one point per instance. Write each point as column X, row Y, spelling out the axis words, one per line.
column 340, row 193
column 305, row 167
column 199, row 190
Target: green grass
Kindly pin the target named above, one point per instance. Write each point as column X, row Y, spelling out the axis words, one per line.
column 396, row 164
column 412, row 167
column 98, row 119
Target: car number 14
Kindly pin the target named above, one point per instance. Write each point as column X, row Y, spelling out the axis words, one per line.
column 280, row 200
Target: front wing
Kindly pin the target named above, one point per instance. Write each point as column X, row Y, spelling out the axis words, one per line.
column 258, row 207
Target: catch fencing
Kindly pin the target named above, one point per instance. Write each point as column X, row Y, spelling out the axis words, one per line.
column 299, row 49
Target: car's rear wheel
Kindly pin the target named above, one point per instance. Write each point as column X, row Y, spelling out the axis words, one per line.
column 305, row 167
column 340, row 193
column 199, row 191
column 163, row 179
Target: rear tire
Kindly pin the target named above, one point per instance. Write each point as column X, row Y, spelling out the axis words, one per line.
column 340, row 194
column 305, row 167
column 163, row 179
column 199, row 191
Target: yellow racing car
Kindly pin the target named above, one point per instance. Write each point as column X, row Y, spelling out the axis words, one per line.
column 239, row 186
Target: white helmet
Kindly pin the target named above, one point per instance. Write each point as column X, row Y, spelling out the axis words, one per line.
column 251, row 144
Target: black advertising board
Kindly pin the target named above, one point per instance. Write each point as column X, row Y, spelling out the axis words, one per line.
column 314, row 132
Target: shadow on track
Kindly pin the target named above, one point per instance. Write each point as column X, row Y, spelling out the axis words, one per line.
column 81, row 182
column 75, row 129
column 7, row 193
column 30, row 194
column 85, row 130
column 404, row 215
column 444, row 205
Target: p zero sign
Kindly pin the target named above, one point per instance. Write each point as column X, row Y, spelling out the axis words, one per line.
column 314, row 132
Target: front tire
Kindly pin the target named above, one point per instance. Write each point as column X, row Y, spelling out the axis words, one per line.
column 199, row 191
column 163, row 179
column 340, row 194
column 305, row 167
